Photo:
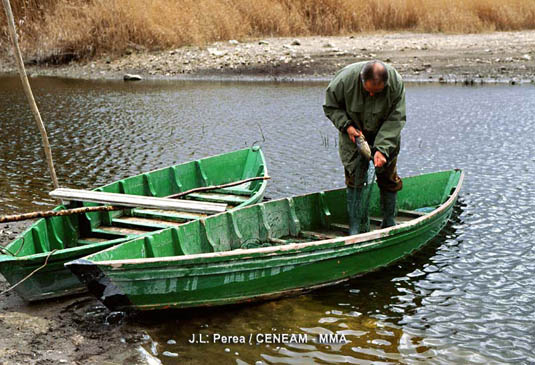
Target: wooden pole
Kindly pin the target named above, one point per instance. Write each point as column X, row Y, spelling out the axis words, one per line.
column 107, row 208
column 28, row 91
column 56, row 213
column 213, row 187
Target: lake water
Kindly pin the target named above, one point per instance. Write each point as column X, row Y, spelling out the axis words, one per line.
column 468, row 297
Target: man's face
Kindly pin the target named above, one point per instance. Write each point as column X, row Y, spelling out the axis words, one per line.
column 373, row 87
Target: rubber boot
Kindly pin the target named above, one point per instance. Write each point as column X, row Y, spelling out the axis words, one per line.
column 351, row 211
column 388, row 207
column 357, row 213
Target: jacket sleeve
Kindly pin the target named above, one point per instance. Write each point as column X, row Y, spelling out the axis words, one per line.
column 388, row 137
column 335, row 107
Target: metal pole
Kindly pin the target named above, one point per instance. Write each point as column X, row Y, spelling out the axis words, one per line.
column 28, row 92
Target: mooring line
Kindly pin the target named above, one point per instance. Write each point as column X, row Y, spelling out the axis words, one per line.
column 30, row 274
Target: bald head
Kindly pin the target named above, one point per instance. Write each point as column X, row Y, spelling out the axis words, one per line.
column 374, row 72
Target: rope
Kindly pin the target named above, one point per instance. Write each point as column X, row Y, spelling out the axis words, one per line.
column 30, row 274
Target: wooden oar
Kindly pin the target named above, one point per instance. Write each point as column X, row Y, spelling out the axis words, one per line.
column 107, row 208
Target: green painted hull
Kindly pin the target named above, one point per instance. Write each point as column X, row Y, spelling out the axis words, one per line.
column 76, row 236
column 268, row 250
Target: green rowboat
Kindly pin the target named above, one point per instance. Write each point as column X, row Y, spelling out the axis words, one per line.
column 57, row 240
column 268, row 250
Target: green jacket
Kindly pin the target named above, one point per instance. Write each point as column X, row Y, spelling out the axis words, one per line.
column 380, row 117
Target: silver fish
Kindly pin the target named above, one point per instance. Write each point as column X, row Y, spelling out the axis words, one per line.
column 363, row 147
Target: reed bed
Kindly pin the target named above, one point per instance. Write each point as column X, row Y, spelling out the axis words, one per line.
column 66, row 29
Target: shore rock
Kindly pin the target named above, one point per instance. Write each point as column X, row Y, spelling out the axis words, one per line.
column 132, row 77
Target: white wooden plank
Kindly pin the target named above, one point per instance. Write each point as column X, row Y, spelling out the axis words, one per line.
column 138, row 201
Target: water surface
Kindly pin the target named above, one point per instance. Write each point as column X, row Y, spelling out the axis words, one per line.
column 468, row 297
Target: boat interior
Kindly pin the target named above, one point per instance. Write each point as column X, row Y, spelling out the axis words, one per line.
column 311, row 217
column 108, row 228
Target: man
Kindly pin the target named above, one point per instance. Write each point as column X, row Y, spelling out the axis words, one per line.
column 367, row 100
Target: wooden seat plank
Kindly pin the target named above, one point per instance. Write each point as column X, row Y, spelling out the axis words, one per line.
column 90, row 240
column 243, row 189
column 168, row 215
column 218, row 198
column 121, row 230
column 144, row 222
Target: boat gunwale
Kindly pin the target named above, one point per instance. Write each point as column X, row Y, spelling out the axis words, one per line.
column 58, row 255
column 372, row 236
column 183, row 163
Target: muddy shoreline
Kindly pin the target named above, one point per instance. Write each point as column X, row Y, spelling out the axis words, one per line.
column 72, row 330
column 499, row 57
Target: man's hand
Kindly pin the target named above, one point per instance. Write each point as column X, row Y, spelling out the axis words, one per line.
column 379, row 159
column 353, row 133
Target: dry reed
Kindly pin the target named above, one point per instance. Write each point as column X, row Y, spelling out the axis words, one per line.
column 64, row 29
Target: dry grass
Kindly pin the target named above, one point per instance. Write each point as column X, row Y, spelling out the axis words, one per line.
column 81, row 28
